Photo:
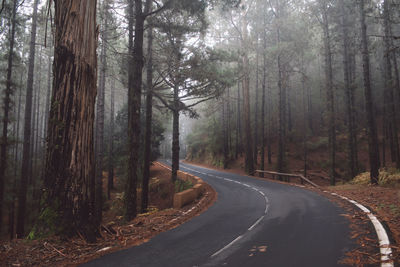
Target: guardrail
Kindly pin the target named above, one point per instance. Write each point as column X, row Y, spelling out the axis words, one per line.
column 189, row 195
column 302, row 178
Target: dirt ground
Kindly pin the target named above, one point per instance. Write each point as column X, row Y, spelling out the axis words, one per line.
column 115, row 233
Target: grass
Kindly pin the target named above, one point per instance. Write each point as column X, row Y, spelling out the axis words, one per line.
column 182, row 185
column 387, row 177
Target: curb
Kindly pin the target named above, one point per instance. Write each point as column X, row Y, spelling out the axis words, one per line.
column 384, row 243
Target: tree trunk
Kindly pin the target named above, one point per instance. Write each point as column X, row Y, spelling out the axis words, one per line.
column 149, row 118
column 175, row 135
column 373, row 148
column 110, row 183
column 70, row 167
column 264, row 77
column 134, row 101
column 6, row 108
column 255, row 147
column 249, row 161
column 48, row 94
column 99, row 148
column 348, row 94
column 238, row 128
column 389, row 85
column 330, row 95
column 26, row 149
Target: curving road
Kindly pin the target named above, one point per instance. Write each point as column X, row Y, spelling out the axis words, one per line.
column 252, row 223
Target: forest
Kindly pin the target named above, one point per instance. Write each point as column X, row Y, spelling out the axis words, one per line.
column 94, row 92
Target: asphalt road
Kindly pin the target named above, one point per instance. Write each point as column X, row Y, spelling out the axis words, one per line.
column 252, row 223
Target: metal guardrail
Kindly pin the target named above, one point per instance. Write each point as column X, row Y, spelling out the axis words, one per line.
column 302, row 178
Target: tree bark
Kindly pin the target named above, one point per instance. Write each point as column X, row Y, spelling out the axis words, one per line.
column 238, row 128
column 70, row 167
column 100, row 116
column 389, row 85
column 348, row 95
column 110, row 183
column 149, row 118
column 255, row 147
column 373, row 148
column 26, row 149
column 264, row 77
column 249, row 161
column 330, row 95
column 7, row 108
column 134, row 101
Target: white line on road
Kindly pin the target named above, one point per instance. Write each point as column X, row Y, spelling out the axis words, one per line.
column 257, row 222
column 227, row 246
column 254, row 224
column 384, row 243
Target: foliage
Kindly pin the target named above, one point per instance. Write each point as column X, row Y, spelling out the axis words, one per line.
column 181, row 185
column 387, row 177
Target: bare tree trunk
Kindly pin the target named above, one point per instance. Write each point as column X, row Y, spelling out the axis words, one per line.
column 110, row 184
column 228, row 108
column 330, row 95
column 373, row 148
column 225, row 133
column 149, row 118
column 99, row 147
column 26, row 150
column 7, row 108
column 264, row 77
column 11, row 221
column 249, row 161
column 134, row 101
column 238, row 128
column 70, row 167
column 175, row 135
column 255, row 147
column 389, row 85
column 348, row 94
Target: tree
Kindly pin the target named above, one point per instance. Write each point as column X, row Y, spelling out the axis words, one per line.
column 249, row 160
column 349, row 94
column 68, row 198
column 329, row 91
column 26, row 154
column 99, row 144
column 389, row 85
column 373, row 148
column 7, row 108
column 190, row 73
column 149, row 115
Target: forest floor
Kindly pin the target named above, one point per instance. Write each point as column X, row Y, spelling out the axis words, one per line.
column 383, row 201
column 116, row 234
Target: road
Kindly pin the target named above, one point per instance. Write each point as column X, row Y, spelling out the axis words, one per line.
column 252, row 223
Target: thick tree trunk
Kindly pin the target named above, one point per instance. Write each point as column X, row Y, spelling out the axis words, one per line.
column 26, row 149
column 149, row 118
column 373, row 148
column 70, row 167
column 6, row 108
